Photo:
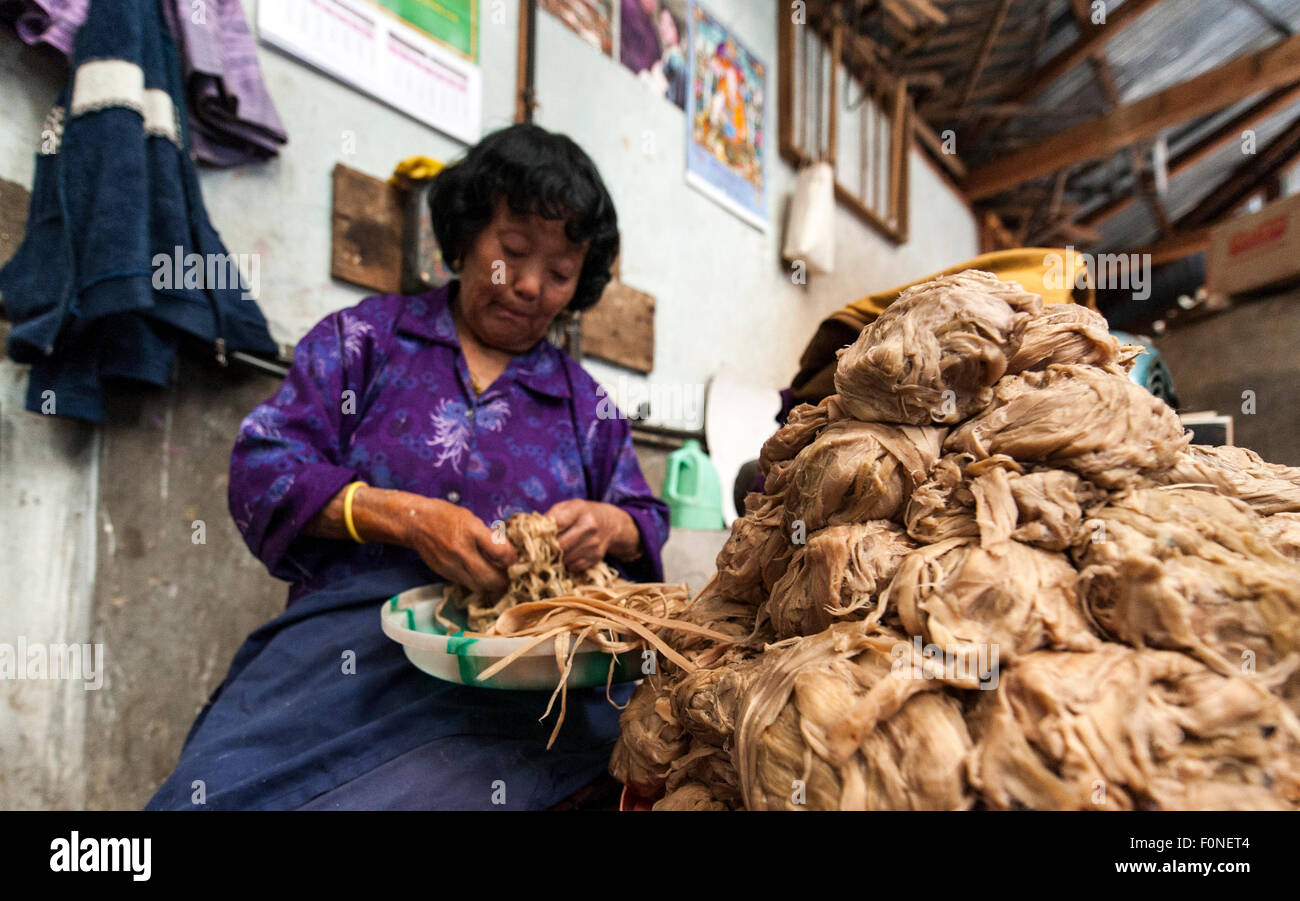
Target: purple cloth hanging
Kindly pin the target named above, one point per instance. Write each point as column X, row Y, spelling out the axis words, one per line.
column 232, row 118
column 53, row 23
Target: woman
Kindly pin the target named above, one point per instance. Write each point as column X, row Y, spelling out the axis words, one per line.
column 435, row 417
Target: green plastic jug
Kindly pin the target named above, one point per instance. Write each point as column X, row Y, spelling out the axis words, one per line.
column 692, row 490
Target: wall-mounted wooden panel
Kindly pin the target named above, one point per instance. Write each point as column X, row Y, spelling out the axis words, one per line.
column 368, row 219
column 621, row 328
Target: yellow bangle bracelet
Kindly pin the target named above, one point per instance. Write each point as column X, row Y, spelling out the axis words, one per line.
column 347, row 511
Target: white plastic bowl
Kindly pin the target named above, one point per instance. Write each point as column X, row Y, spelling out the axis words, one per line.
column 408, row 619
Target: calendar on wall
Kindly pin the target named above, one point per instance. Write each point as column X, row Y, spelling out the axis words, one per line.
column 363, row 44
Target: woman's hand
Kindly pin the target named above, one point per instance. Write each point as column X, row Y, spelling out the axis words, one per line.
column 451, row 540
column 589, row 530
column 455, row 544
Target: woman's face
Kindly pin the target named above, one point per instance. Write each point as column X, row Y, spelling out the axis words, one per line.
column 520, row 272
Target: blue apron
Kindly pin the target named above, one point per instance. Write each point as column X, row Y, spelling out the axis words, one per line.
column 288, row 728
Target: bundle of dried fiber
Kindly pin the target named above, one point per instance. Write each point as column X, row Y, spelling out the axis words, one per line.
column 996, row 498
column 1070, row 333
column 705, row 701
column 711, row 767
column 1100, row 425
column 852, row 711
column 738, row 621
column 1053, row 505
column 689, row 796
column 827, row 725
column 752, row 556
column 619, row 620
column 943, row 506
column 980, row 605
column 538, row 573
column 1283, row 532
column 935, row 353
column 649, row 740
column 837, row 575
column 1124, row 729
column 801, row 427
column 1186, row 569
column 856, row 471
column 777, row 477
column 544, row 603
column 1238, row 472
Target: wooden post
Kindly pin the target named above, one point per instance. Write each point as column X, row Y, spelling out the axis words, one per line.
column 785, row 81
column 526, row 54
column 900, row 138
column 833, row 127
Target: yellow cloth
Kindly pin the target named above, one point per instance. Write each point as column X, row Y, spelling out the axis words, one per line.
column 415, row 168
column 1030, row 266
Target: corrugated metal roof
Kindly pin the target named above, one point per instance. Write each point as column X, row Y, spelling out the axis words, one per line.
column 1135, row 226
column 1172, row 42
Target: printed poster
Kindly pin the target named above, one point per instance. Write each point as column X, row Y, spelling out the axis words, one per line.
column 652, row 43
column 726, row 133
column 591, row 20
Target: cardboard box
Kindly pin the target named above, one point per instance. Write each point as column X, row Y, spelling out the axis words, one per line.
column 1258, row 251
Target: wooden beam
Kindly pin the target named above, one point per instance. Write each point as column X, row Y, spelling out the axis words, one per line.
column 1176, row 246
column 1091, row 40
column 1076, row 233
column 1005, row 49
column 1246, row 179
column 931, row 142
column 1016, row 109
column 993, row 234
column 965, row 37
column 1234, row 80
column 1223, row 135
column 935, row 19
column 1192, row 232
column 1040, row 30
column 1273, row 102
column 926, row 10
column 986, row 47
column 1110, row 91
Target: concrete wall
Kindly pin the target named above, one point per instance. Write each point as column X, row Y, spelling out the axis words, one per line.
column 724, row 296
column 96, row 524
column 1251, row 347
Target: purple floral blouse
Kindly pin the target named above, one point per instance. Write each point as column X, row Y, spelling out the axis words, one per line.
column 381, row 392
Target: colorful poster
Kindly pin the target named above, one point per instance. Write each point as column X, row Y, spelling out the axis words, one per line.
column 453, row 23
column 652, row 43
column 591, row 20
column 726, row 134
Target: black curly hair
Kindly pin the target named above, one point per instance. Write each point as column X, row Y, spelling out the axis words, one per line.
column 537, row 172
